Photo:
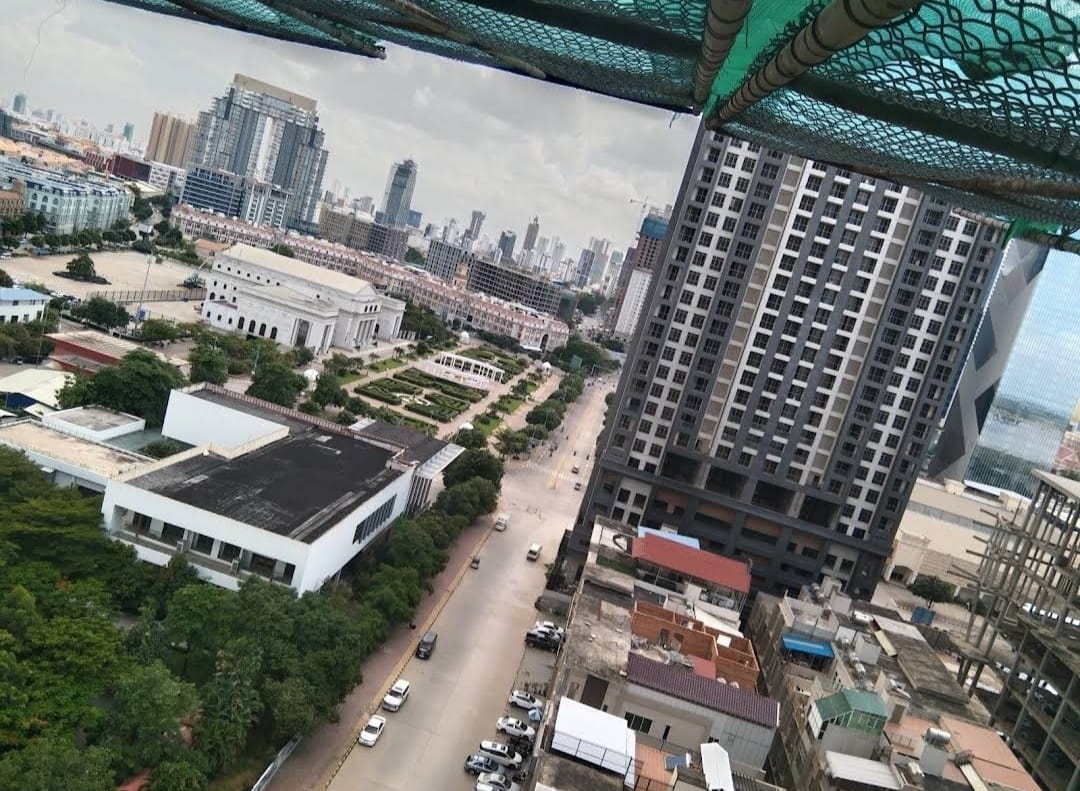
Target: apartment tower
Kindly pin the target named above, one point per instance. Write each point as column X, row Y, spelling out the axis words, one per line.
column 397, row 199
column 801, row 335
column 171, row 140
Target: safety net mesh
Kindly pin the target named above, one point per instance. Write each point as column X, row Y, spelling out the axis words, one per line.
column 977, row 100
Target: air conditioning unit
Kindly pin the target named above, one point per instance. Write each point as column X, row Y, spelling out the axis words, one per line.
column 234, row 567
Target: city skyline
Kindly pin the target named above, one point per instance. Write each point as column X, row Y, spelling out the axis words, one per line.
column 581, row 165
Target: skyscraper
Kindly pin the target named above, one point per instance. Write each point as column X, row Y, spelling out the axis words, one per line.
column 475, row 224
column 266, row 134
column 19, row 106
column 397, row 200
column 636, row 275
column 531, row 233
column 129, row 131
column 507, row 240
column 171, row 140
column 800, row 337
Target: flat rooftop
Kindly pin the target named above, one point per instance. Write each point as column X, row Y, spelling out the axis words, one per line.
column 297, row 487
column 564, row 774
column 103, row 460
column 292, row 267
column 94, row 418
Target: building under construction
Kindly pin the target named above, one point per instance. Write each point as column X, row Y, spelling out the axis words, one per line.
column 1029, row 577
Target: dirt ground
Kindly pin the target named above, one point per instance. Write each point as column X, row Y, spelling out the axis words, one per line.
column 125, row 271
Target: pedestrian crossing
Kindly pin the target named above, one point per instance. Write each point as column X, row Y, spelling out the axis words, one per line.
column 547, row 469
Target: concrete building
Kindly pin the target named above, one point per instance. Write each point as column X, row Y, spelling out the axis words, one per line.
column 631, row 302
column 476, row 222
column 167, row 178
column 90, row 350
column 532, row 330
column 507, row 240
column 69, row 203
column 397, row 199
column 19, row 105
column 21, row 305
column 443, row 259
column 867, row 704
column 801, row 338
column 13, row 200
column 171, row 140
column 672, row 666
column 265, row 204
column 33, row 390
column 635, row 277
column 268, row 491
column 1029, row 575
column 218, row 191
column 267, row 134
column 272, row 296
column 513, row 285
column 361, row 232
column 531, row 234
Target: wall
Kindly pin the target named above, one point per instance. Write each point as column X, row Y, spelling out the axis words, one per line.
column 27, row 310
column 197, row 422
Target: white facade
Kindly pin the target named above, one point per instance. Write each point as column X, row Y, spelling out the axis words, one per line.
column 276, row 297
column 637, row 288
column 167, row 178
column 21, row 305
column 69, row 203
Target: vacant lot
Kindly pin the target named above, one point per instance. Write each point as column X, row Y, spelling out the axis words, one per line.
column 125, row 272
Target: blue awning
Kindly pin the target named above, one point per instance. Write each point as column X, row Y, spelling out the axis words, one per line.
column 811, row 647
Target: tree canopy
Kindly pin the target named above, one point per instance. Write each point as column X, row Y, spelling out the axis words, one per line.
column 102, row 312
column 283, row 249
column 591, row 356
column 81, row 267
column 157, row 330
column 474, row 463
column 933, row 589
column 139, row 385
column 276, row 382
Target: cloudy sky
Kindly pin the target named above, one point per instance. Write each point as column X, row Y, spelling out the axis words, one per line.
column 507, row 145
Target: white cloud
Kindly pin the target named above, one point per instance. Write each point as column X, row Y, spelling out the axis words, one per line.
column 510, row 146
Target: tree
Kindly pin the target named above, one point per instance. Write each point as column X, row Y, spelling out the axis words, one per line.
column 474, row 463
column 470, row 499
column 283, row 249
column 932, row 589
column 158, row 330
column 472, row 438
column 328, row 390
column 589, row 303
column 300, row 355
column 81, row 267
column 53, row 762
column 102, row 312
column 139, row 384
column 409, row 545
column 208, row 364
column 414, row 256
column 178, row 775
column 5, row 280
column 511, row 442
column 289, row 703
column 231, row 703
column 149, row 706
column 276, row 382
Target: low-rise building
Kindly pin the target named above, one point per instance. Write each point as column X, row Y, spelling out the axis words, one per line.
column 68, row 202
column 34, row 390
column 90, row 350
column 13, row 200
column 514, row 285
column 261, row 293
column 21, row 305
column 167, row 178
column 531, row 329
column 269, row 491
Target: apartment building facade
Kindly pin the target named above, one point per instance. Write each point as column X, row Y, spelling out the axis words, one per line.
column 513, row 285
column 803, row 333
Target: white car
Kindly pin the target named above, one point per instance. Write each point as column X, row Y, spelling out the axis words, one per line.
column 515, row 727
column 523, row 700
column 397, row 695
column 372, row 731
column 493, row 781
column 501, row 754
column 550, row 628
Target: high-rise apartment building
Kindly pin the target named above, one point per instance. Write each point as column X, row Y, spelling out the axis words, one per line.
column 19, row 105
column 636, row 275
column 802, row 334
column 397, row 200
column 507, row 240
column 531, row 233
column 129, row 132
column 171, row 140
column 476, row 222
column 266, row 134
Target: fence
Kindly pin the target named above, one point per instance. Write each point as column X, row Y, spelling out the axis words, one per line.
column 268, row 774
column 160, row 295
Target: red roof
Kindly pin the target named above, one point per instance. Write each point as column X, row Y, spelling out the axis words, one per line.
column 695, row 563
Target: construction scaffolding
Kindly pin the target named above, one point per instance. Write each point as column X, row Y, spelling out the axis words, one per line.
column 1029, row 580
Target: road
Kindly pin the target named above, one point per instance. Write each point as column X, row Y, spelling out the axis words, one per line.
column 459, row 693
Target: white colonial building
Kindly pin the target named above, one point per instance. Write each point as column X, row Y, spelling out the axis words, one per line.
column 273, row 296
column 21, row 305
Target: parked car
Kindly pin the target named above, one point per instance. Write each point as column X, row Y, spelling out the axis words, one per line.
column 575, row 469
column 478, row 763
column 512, row 726
column 372, row 731
column 544, row 640
column 397, row 695
column 493, row 781
column 502, row 522
column 523, row 700
column 501, row 754
column 426, row 647
column 549, row 626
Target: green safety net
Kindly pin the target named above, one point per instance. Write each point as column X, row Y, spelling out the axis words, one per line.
column 975, row 100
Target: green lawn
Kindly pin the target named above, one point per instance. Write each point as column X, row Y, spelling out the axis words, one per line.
column 508, row 404
column 386, row 365
column 481, row 423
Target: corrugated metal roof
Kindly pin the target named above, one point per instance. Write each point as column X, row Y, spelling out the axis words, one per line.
column 812, row 647
column 684, row 683
column 12, row 294
column 695, row 563
column 851, row 700
column 873, row 774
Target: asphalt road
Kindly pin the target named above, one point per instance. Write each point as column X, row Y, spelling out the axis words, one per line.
column 459, row 693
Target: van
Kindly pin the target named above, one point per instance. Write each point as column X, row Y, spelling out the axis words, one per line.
column 502, row 522
column 534, row 552
column 426, row 647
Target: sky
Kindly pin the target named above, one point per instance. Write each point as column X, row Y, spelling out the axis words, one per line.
column 510, row 146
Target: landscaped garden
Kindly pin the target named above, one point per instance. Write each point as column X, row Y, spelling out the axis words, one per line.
column 388, row 390
column 445, row 386
column 439, row 406
column 512, row 365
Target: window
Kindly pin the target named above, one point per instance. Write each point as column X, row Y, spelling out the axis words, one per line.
column 374, row 521
column 638, row 723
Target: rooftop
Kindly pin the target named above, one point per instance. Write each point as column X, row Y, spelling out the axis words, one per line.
column 695, row 563
column 1066, row 486
column 94, row 418
column 40, row 384
column 296, row 487
column 687, row 685
column 416, row 445
column 283, row 295
column 292, row 267
column 13, row 294
column 848, row 700
column 94, row 457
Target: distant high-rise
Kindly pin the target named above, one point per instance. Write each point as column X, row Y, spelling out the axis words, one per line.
column 364, row 205
column 19, row 107
column 171, row 140
column 415, row 218
column 530, row 234
column 266, row 134
column 475, row 224
column 397, row 200
column 802, row 334
column 636, row 275
column 129, row 131
column 507, row 240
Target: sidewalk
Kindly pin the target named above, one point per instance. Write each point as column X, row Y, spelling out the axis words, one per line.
column 320, row 751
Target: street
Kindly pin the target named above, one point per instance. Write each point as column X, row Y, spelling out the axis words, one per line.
column 459, row 693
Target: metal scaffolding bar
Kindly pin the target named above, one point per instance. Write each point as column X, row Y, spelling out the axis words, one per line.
column 723, row 22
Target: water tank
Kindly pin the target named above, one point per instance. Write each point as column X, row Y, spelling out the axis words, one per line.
column 937, row 737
